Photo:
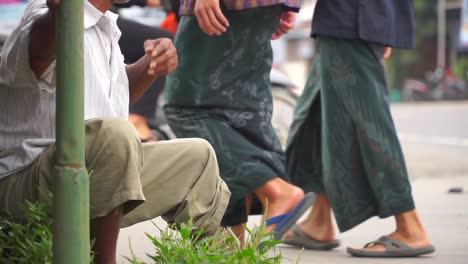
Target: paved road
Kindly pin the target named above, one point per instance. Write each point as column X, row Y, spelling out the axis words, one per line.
column 434, row 138
column 435, row 142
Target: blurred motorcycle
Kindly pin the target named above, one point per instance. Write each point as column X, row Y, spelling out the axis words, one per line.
column 436, row 86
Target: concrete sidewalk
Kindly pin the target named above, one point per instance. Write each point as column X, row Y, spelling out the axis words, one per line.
column 445, row 217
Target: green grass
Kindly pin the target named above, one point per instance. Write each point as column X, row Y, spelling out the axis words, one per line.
column 28, row 241
column 182, row 245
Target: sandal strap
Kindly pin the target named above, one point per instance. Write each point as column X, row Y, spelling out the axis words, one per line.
column 389, row 244
column 276, row 219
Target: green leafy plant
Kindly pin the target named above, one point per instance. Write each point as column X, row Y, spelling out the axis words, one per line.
column 182, row 244
column 28, row 240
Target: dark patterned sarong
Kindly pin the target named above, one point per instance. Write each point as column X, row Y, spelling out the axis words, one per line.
column 221, row 92
column 343, row 141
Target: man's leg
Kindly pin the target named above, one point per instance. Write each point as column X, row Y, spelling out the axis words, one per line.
column 304, row 158
column 114, row 159
column 319, row 223
column 364, row 168
column 105, row 230
column 114, row 181
column 180, row 180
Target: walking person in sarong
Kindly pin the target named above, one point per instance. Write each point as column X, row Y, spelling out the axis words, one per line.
column 221, row 92
column 343, row 144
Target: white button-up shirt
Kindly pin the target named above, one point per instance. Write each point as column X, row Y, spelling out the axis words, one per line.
column 27, row 104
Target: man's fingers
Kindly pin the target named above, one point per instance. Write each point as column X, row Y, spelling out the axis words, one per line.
column 161, row 45
column 220, row 16
column 282, row 30
column 172, row 67
column 207, row 28
column 215, row 23
column 210, row 18
column 387, row 52
column 200, row 20
column 209, row 24
column 149, row 46
column 162, row 55
column 288, row 16
column 287, row 25
column 163, row 69
column 278, row 33
column 166, row 58
column 154, row 53
column 163, row 63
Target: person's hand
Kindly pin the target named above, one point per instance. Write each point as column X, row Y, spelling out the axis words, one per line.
column 387, row 52
column 210, row 18
column 287, row 21
column 162, row 55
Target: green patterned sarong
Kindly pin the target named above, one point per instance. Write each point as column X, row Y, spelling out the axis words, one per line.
column 221, row 92
column 343, row 141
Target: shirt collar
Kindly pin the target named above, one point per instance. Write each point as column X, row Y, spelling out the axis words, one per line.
column 92, row 15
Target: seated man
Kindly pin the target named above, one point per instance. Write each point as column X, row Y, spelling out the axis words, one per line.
column 129, row 182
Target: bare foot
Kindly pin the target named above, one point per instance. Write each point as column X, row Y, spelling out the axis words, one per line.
column 409, row 231
column 412, row 242
column 282, row 197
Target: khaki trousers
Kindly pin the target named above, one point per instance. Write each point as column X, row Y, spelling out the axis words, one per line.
column 176, row 179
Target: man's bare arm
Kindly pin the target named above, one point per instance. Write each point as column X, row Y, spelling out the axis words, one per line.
column 42, row 40
column 160, row 59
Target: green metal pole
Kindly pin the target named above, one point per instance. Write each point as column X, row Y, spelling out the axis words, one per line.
column 71, row 194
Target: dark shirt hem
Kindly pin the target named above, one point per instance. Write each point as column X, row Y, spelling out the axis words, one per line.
column 355, row 35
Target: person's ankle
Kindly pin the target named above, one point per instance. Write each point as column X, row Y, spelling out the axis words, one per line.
column 319, row 223
column 323, row 231
column 409, row 226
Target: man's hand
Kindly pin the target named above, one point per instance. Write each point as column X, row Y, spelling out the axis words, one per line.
column 387, row 52
column 162, row 55
column 287, row 21
column 210, row 18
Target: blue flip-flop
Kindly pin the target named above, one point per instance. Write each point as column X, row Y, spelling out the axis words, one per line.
column 287, row 221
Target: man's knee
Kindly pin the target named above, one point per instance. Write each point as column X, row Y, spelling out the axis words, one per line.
column 113, row 130
column 199, row 149
column 111, row 138
column 117, row 128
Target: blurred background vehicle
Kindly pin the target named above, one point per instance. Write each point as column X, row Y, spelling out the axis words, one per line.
column 436, row 86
